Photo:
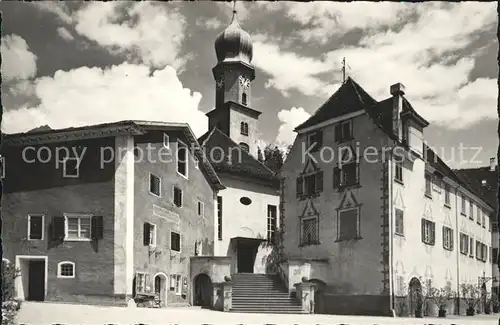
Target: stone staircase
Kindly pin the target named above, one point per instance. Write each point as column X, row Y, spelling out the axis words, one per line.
column 262, row 293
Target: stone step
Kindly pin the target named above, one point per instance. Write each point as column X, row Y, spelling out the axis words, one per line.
column 263, row 298
column 258, row 304
column 287, row 310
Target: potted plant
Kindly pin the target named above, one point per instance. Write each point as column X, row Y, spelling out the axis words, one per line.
column 494, row 302
column 441, row 297
column 470, row 294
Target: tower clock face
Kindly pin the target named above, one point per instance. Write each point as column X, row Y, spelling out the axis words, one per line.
column 244, row 82
column 220, row 82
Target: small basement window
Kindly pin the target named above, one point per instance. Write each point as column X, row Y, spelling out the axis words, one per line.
column 66, row 270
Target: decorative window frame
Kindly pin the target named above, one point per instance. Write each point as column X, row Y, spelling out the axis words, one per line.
column 302, row 242
column 29, row 225
column 77, row 215
column 358, row 223
column 59, row 270
column 402, row 234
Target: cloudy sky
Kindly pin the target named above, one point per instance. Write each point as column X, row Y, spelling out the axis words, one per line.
column 74, row 63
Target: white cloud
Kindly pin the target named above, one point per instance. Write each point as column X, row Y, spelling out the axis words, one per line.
column 288, row 70
column 86, row 96
column 210, row 23
column 65, row 34
column 290, row 119
column 424, row 55
column 148, row 32
column 18, row 62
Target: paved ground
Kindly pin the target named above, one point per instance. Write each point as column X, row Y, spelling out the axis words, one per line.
column 51, row 313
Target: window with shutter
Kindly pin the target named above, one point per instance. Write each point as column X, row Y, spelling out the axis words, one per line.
column 471, row 247
column 97, row 227
column 494, row 255
column 338, row 132
column 310, row 185
column 337, row 180
column 182, row 159
column 319, row 182
column 146, row 234
column 58, row 227
column 154, row 185
column 447, row 238
column 399, row 228
column 175, row 241
column 177, row 197
column 300, row 186
column 35, row 227
column 346, row 130
column 478, row 250
column 428, row 232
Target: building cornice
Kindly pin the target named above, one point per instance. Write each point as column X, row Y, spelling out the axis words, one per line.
column 331, row 121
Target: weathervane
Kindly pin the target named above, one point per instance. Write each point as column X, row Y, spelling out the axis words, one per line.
column 344, row 65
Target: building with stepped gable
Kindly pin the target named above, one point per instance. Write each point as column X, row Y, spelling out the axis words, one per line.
column 373, row 215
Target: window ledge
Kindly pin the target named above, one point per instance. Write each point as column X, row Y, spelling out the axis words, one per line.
column 429, row 243
column 464, row 254
column 400, row 235
column 427, row 195
column 345, row 187
column 400, row 182
column 65, row 277
column 447, row 205
column 463, row 214
column 76, row 239
column 310, row 244
column 448, row 249
column 348, row 239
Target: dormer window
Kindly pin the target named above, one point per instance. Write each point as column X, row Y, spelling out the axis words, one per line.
column 315, row 140
column 244, row 128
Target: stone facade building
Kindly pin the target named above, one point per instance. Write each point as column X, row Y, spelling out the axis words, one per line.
column 371, row 213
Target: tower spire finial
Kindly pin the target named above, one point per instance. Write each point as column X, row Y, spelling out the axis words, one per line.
column 234, row 10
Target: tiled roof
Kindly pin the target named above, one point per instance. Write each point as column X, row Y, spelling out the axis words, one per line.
column 227, row 156
column 475, row 177
column 349, row 98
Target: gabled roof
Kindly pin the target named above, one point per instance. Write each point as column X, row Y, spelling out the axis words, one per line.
column 227, row 156
column 349, row 98
column 475, row 177
column 45, row 134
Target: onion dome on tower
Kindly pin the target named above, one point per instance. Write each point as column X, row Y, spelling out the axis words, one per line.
column 234, row 44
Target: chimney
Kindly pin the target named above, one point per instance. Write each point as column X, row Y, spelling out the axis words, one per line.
column 492, row 164
column 397, row 92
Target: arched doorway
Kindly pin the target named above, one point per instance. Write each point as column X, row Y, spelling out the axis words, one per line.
column 416, row 299
column 202, row 291
column 160, row 286
column 319, row 296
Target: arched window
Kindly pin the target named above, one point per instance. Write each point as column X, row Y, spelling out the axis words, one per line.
column 244, row 128
column 245, row 146
column 244, row 98
column 66, row 270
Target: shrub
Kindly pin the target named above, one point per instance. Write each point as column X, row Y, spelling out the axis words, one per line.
column 10, row 306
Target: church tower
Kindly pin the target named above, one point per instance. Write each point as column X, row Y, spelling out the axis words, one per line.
column 233, row 76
